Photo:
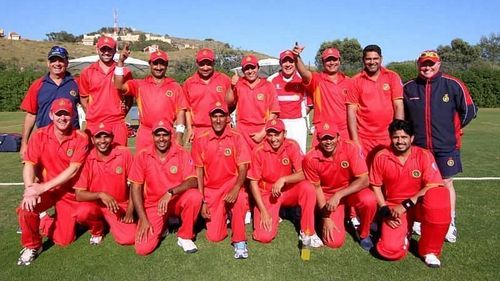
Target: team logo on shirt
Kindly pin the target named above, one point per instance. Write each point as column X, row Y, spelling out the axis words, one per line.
column 450, row 162
column 227, row 151
column 446, row 98
column 344, row 91
column 416, row 173
column 73, row 93
column 218, row 89
column 386, row 87
column 119, row 170
column 69, row 152
column 169, row 93
column 260, row 96
column 344, row 164
column 173, row 170
column 285, row 161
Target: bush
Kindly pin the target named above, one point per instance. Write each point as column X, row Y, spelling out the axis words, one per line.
column 13, row 86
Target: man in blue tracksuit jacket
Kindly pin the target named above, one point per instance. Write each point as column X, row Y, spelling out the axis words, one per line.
column 439, row 106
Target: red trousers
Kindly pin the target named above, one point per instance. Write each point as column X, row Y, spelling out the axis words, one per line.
column 434, row 214
column 302, row 194
column 218, row 208
column 365, row 203
column 187, row 205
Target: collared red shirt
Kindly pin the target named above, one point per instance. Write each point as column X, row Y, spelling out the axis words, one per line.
column 255, row 105
column 291, row 94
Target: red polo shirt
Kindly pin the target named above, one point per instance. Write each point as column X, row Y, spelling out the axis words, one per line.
column 329, row 100
column 159, row 176
column 255, row 105
column 338, row 171
column 220, row 156
column 107, row 175
column 269, row 165
column 202, row 96
column 156, row 101
column 401, row 181
column 290, row 93
column 374, row 100
column 53, row 157
column 104, row 103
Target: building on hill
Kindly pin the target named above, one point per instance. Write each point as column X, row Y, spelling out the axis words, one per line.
column 14, row 36
column 1, row 33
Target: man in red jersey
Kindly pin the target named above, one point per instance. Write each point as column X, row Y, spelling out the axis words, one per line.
column 375, row 99
column 221, row 157
column 158, row 98
column 202, row 90
column 256, row 102
column 338, row 170
column 292, row 99
column 164, row 185
column 412, row 189
column 328, row 90
column 277, row 179
column 103, row 181
column 53, row 156
column 100, row 99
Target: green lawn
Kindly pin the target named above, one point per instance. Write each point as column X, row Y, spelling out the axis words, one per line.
column 474, row 257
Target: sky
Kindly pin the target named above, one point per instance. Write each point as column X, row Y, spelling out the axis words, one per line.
column 401, row 28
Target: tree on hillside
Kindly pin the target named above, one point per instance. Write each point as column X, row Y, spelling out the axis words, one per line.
column 63, row 36
column 490, row 47
column 459, row 54
column 350, row 51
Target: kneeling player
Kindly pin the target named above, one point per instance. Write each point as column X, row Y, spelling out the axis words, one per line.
column 413, row 189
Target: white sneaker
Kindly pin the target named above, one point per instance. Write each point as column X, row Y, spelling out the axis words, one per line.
column 312, row 241
column 416, row 228
column 187, row 245
column 431, row 260
column 451, row 235
column 28, row 255
column 240, row 250
column 95, row 240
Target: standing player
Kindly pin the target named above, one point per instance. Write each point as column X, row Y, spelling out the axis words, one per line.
column 103, row 181
column 276, row 179
column 202, row 90
column 291, row 98
column 158, row 97
column 412, row 189
column 58, row 83
column 222, row 158
column 164, row 185
column 338, row 171
column 100, row 99
column 256, row 102
column 439, row 105
column 328, row 90
column 54, row 156
column 375, row 99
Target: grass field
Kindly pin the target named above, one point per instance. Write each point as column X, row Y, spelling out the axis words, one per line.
column 475, row 256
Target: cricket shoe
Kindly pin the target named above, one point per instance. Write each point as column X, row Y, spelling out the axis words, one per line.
column 432, row 261
column 187, row 245
column 95, row 240
column 366, row 243
column 28, row 255
column 451, row 235
column 240, row 250
column 312, row 241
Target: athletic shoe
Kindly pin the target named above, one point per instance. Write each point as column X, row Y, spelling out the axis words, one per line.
column 28, row 255
column 355, row 222
column 187, row 245
column 431, row 260
column 312, row 241
column 451, row 235
column 416, row 228
column 19, row 231
column 95, row 240
column 366, row 243
column 240, row 250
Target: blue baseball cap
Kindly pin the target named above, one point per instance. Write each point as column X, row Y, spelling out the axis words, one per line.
column 57, row 51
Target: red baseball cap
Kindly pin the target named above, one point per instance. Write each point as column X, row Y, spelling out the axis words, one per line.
column 428, row 55
column 106, row 41
column 327, row 129
column 102, row 128
column 219, row 106
column 287, row 54
column 205, row 54
column 249, row 60
column 62, row 104
column 158, row 55
column 330, row 52
column 275, row 124
column 162, row 125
